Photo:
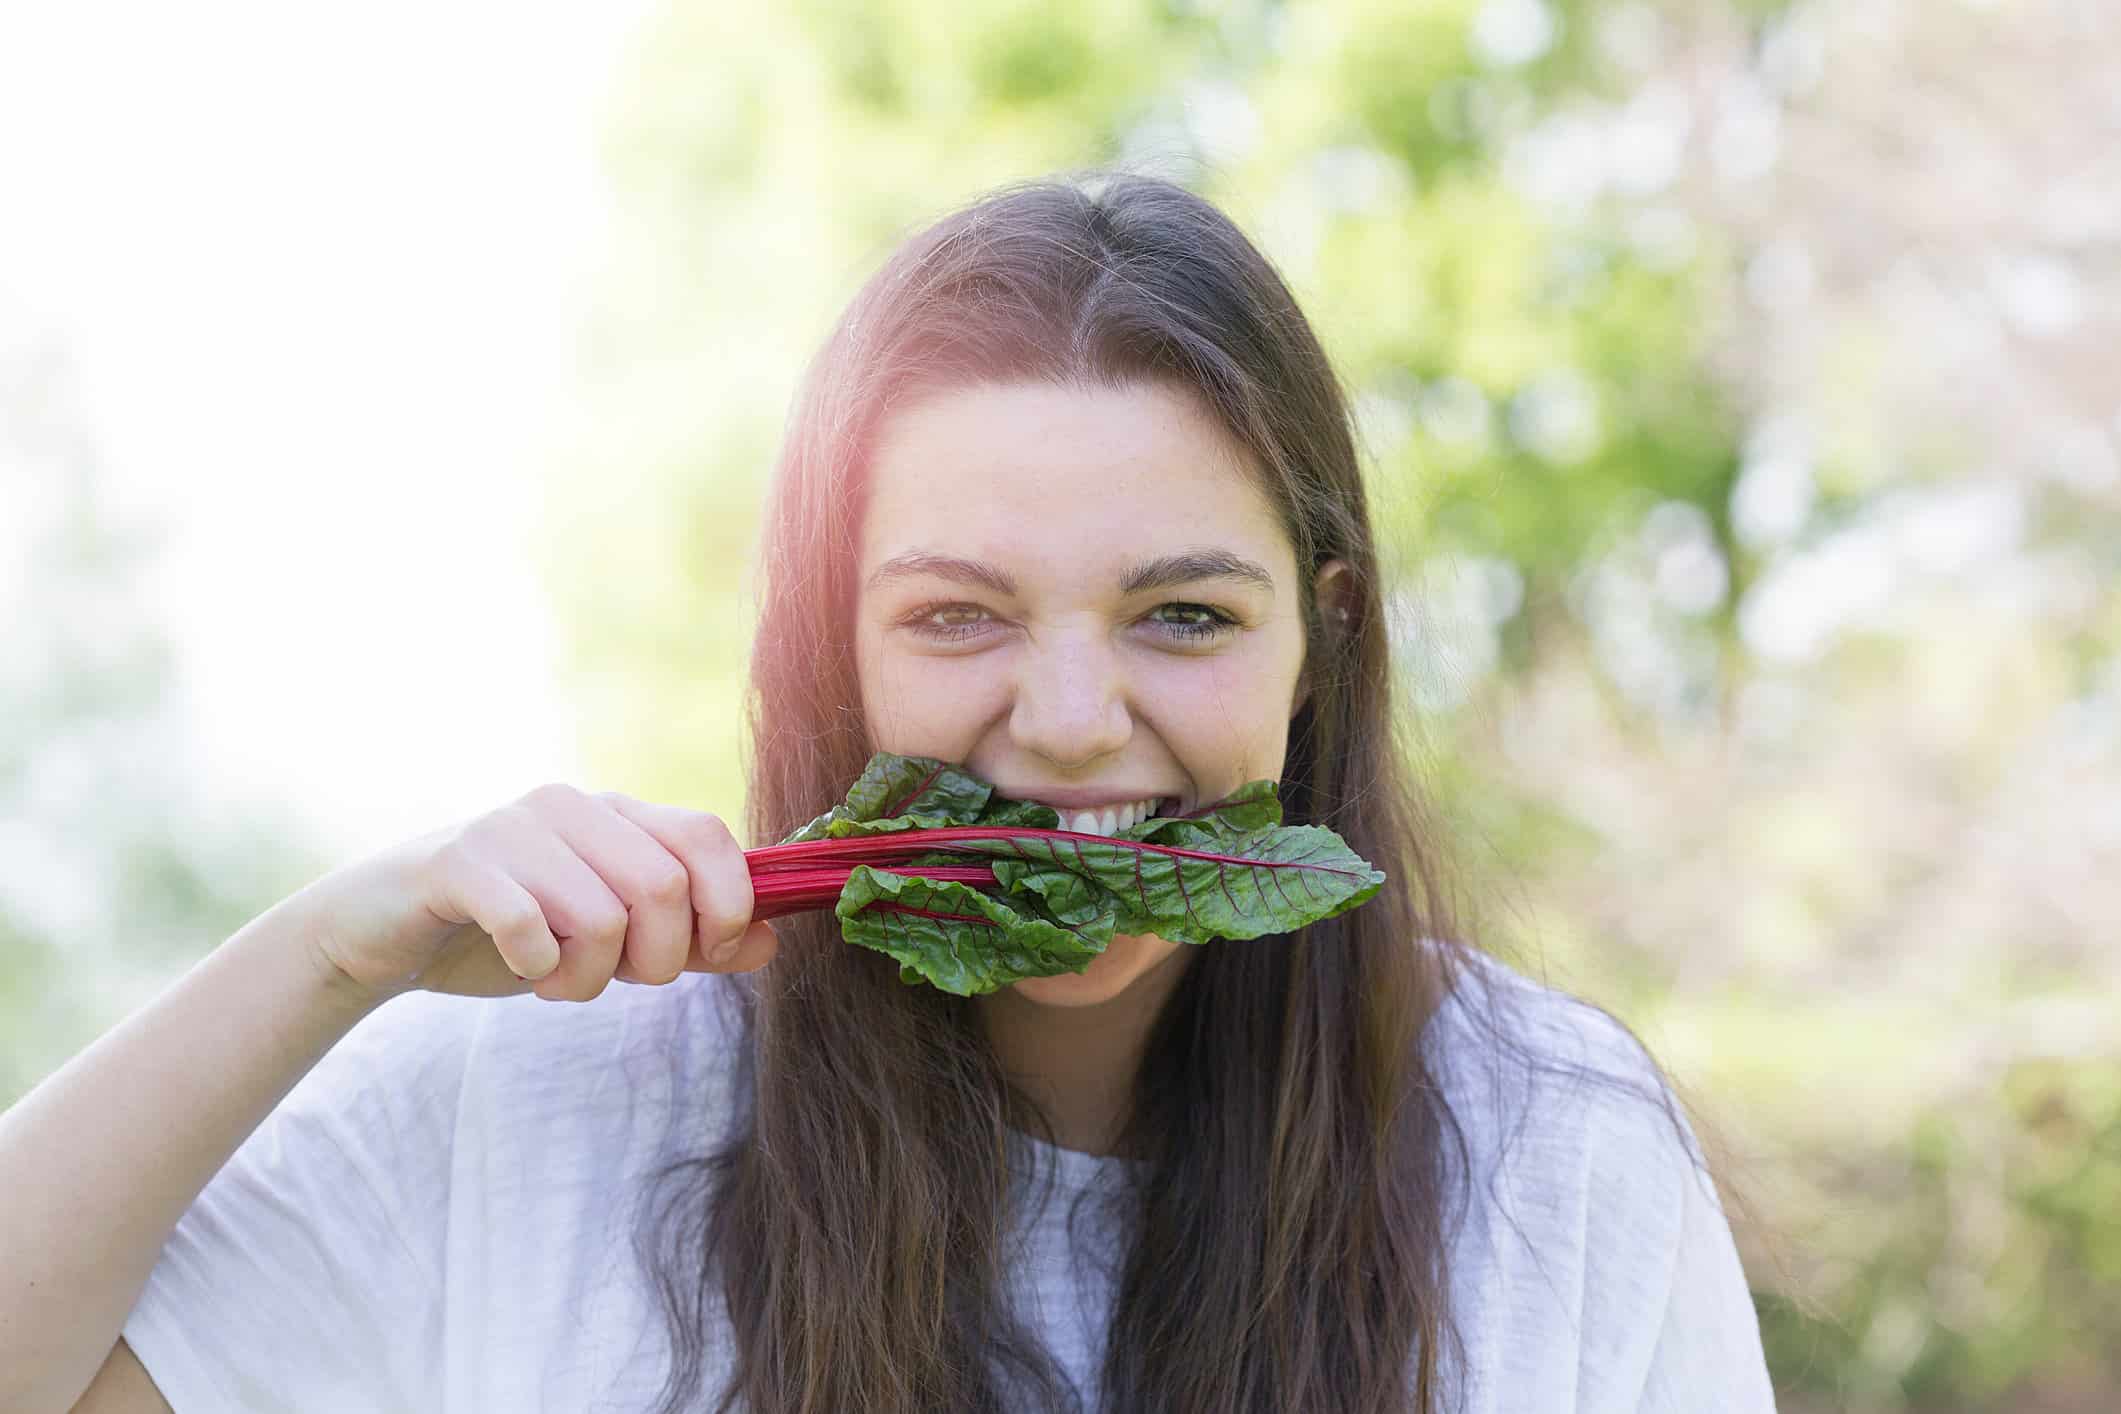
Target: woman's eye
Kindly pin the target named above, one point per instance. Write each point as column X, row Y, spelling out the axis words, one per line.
column 1204, row 621
column 924, row 620
column 1213, row 624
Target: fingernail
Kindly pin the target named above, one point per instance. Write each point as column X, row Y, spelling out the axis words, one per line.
column 723, row 952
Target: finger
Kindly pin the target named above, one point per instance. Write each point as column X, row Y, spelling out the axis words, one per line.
column 484, row 894
column 722, row 897
column 649, row 879
column 588, row 919
column 755, row 948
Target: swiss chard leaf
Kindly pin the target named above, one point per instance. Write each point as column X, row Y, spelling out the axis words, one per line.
column 958, row 938
column 1198, row 887
column 1226, row 870
column 920, row 793
column 1254, row 805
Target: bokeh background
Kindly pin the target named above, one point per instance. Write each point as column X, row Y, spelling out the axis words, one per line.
column 386, row 396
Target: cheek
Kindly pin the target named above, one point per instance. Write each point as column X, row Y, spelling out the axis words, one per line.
column 912, row 710
column 908, row 708
column 1239, row 712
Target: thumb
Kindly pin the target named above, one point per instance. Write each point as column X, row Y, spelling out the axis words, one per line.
column 754, row 949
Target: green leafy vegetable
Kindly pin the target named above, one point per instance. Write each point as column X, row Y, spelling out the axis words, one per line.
column 971, row 891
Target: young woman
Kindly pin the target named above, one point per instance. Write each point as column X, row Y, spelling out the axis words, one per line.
column 1069, row 498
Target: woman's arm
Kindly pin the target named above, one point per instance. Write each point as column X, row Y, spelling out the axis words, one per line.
column 100, row 1160
column 122, row 1386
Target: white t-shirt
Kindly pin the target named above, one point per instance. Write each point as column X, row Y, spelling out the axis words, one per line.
column 433, row 1220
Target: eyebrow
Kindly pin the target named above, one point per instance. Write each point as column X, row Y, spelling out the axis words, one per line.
column 1185, row 567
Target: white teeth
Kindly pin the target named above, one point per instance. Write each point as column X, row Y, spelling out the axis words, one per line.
column 1108, row 821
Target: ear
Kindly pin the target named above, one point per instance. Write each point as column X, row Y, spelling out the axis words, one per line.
column 1334, row 591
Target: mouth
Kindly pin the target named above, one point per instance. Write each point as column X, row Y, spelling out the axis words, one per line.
column 1111, row 818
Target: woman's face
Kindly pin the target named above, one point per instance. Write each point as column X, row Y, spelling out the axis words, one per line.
column 1079, row 596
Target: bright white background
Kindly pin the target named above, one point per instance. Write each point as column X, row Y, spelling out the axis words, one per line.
column 319, row 273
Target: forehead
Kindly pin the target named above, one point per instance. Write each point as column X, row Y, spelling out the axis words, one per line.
column 1051, row 481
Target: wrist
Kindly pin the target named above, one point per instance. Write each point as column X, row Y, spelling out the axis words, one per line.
column 289, row 938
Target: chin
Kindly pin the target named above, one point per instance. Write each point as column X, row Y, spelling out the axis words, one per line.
column 1125, row 961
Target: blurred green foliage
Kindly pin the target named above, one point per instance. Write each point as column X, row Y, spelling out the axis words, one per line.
column 1995, row 1265
column 121, row 864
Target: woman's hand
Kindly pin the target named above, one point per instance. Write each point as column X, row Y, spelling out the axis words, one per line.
column 557, row 893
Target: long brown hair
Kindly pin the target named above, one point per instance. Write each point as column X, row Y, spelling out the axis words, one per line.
column 1286, row 1226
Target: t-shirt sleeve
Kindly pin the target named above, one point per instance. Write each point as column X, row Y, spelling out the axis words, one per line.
column 1669, row 1323
column 1708, row 1353
column 307, row 1273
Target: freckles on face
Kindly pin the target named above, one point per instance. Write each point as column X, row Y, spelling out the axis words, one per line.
column 1004, row 520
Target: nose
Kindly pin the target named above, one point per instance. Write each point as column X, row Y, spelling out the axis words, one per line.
column 1071, row 699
